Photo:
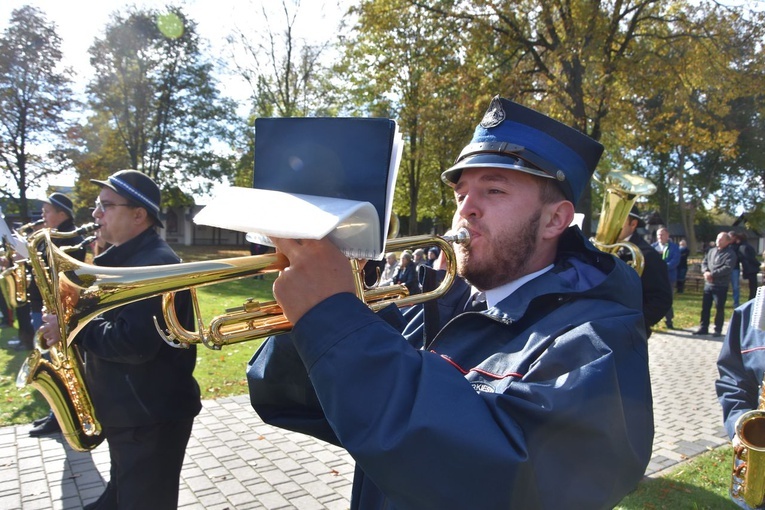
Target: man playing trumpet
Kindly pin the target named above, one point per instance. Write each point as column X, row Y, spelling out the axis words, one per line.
column 546, row 390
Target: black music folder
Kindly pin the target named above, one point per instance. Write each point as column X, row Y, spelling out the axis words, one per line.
column 315, row 177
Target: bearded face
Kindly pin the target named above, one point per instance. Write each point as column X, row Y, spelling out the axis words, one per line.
column 501, row 209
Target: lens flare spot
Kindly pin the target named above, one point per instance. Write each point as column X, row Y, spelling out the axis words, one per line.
column 170, row 25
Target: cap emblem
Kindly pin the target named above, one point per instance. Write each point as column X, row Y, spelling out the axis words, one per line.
column 494, row 115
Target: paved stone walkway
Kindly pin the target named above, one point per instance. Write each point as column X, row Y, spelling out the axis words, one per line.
column 234, row 461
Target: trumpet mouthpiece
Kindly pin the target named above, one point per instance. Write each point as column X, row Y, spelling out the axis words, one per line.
column 462, row 236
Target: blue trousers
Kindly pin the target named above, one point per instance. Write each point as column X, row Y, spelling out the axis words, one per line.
column 735, row 283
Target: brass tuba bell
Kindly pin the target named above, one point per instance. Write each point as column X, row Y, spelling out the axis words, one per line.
column 620, row 192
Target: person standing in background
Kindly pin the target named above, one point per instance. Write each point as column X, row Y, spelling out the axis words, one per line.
column 58, row 214
column 735, row 274
column 670, row 254
column 716, row 267
column 682, row 267
column 657, row 292
column 747, row 258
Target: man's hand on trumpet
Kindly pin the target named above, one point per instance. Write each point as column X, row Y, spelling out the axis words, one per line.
column 50, row 330
column 317, row 271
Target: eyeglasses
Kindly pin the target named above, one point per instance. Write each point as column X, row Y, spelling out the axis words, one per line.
column 104, row 206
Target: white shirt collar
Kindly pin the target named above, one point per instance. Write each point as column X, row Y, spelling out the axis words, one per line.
column 497, row 294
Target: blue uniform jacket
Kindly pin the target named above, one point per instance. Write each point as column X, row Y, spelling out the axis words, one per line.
column 741, row 365
column 671, row 257
column 543, row 401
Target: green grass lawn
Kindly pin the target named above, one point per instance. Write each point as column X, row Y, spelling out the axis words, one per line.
column 699, row 484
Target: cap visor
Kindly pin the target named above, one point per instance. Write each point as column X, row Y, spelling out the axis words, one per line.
column 452, row 175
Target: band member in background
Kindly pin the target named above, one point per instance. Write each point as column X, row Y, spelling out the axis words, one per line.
column 657, row 291
column 58, row 214
column 528, row 391
column 143, row 390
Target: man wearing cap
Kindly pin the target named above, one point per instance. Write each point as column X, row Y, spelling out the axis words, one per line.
column 143, row 390
column 540, row 400
column 657, row 291
column 58, row 214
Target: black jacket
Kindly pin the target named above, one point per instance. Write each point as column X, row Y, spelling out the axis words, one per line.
column 747, row 257
column 134, row 377
column 657, row 291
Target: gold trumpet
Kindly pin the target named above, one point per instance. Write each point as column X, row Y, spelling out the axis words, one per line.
column 621, row 191
column 84, row 291
column 255, row 320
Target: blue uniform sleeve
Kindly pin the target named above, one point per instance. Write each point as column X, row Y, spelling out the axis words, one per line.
column 741, row 365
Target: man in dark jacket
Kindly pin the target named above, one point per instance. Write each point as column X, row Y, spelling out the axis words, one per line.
column 747, row 258
column 58, row 214
column 527, row 391
column 657, row 290
column 716, row 268
column 142, row 389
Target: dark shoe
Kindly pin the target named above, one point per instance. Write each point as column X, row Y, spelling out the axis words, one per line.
column 701, row 331
column 40, row 421
column 48, row 427
column 717, row 333
column 670, row 325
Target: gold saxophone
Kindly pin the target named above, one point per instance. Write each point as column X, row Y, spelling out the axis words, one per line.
column 748, row 476
column 620, row 192
column 59, row 377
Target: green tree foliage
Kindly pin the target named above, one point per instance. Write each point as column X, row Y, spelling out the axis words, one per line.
column 696, row 110
column 402, row 63
column 563, row 58
column 34, row 99
column 154, row 88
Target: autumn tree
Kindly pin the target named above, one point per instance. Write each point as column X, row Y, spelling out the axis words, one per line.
column 157, row 90
column 400, row 63
column 693, row 110
column 563, row 58
column 34, row 99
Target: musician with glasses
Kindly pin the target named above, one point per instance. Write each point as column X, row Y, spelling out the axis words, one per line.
column 540, row 400
column 143, row 390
